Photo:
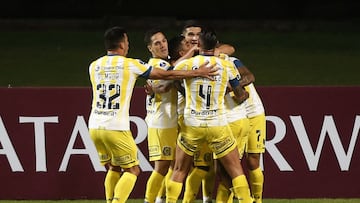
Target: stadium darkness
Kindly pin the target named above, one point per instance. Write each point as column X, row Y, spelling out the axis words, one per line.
column 305, row 9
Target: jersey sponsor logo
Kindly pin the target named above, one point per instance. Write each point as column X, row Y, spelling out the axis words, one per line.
column 204, row 113
column 105, row 113
column 108, row 68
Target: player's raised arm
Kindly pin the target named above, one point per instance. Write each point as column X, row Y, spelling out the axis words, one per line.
column 188, row 54
column 247, row 76
column 240, row 94
column 204, row 70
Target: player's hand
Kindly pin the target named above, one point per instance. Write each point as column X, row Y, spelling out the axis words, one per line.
column 242, row 98
column 207, row 70
column 244, row 81
column 148, row 88
column 193, row 50
column 228, row 89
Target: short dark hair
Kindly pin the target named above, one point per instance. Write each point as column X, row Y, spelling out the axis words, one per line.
column 208, row 39
column 174, row 45
column 191, row 23
column 113, row 36
column 149, row 33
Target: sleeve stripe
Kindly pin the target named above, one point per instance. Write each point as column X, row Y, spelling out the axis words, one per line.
column 146, row 74
column 234, row 82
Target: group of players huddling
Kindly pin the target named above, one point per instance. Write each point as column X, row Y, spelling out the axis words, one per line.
column 203, row 115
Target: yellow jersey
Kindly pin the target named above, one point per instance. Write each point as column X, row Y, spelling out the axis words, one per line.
column 253, row 104
column 204, row 98
column 161, row 108
column 112, row 79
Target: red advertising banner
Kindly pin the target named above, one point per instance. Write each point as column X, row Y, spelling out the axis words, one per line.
column 312, row 147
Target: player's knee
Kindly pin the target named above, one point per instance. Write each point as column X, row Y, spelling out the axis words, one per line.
column 253, row 161
column 134, row 170
column 114, row 168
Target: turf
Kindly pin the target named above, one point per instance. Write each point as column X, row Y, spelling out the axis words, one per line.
column 61, row 57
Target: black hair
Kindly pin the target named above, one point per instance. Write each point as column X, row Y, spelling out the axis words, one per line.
column 174, row 45
column 208, row 39
column 149, row 33
column 191, row 23
column 113, row 36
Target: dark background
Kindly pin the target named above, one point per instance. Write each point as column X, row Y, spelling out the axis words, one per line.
column 52, row 43
column 255, row 9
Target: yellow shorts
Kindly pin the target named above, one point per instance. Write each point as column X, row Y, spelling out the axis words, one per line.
column 240, row 130
column 162, row 143
column 181, row 124
column 203, row 157
column 219, row 139
column 115, row 147
column 257, row 134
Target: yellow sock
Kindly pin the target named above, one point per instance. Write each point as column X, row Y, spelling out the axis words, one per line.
column 231, row 198
column 241, row 189
column 256, row 180
column 162, row 191
column 153, row 186
column 173, row 190
column 124, row 187
column 208, row 184
column 222, row 194
column 192, row 184
column 112, row 177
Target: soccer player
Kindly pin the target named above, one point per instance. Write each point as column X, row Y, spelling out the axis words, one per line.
column 161, row 116
column 240, row 126
column 191, row 31
column 179, row 49
column 203, row 171
column 112, row 79
column 205, row 120
column 257, row 133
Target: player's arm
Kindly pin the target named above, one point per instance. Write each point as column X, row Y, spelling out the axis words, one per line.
column 247, row 76
column 188, row 54
column 225, row 49
column 204, row 70
column 148, row 88
column 240, row 94
column 159, row 88
column 162, row 86
column 179, row 87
